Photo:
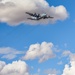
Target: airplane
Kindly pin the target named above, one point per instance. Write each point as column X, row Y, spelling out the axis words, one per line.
column 35, row 16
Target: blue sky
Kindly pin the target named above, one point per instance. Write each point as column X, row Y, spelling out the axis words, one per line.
column 17, row 39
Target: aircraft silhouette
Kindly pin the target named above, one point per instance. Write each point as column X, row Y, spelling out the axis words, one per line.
column 35, row 16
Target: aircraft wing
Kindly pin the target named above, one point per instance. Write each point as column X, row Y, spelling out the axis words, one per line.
column 30, row 14
column 47, row 17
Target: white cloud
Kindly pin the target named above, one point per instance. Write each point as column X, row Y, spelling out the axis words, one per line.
column 13, row 12
column 66, row 53
column 41, row 51
column 14, row 68
column 9, row 56
column 70, row 54
column 51, row 72
column 9, row 53
column 69, row 69
column 2, row 64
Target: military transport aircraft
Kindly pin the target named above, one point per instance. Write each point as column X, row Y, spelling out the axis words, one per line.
column 35, row 16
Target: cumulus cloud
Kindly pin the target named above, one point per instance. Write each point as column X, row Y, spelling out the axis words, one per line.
column 14, row 68
column 69, row 68
column 13, row 12
column 2, row 64
column 42, row 51
column 9, row 53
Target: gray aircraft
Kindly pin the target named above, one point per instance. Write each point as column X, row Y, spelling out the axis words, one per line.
column 35, row 16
